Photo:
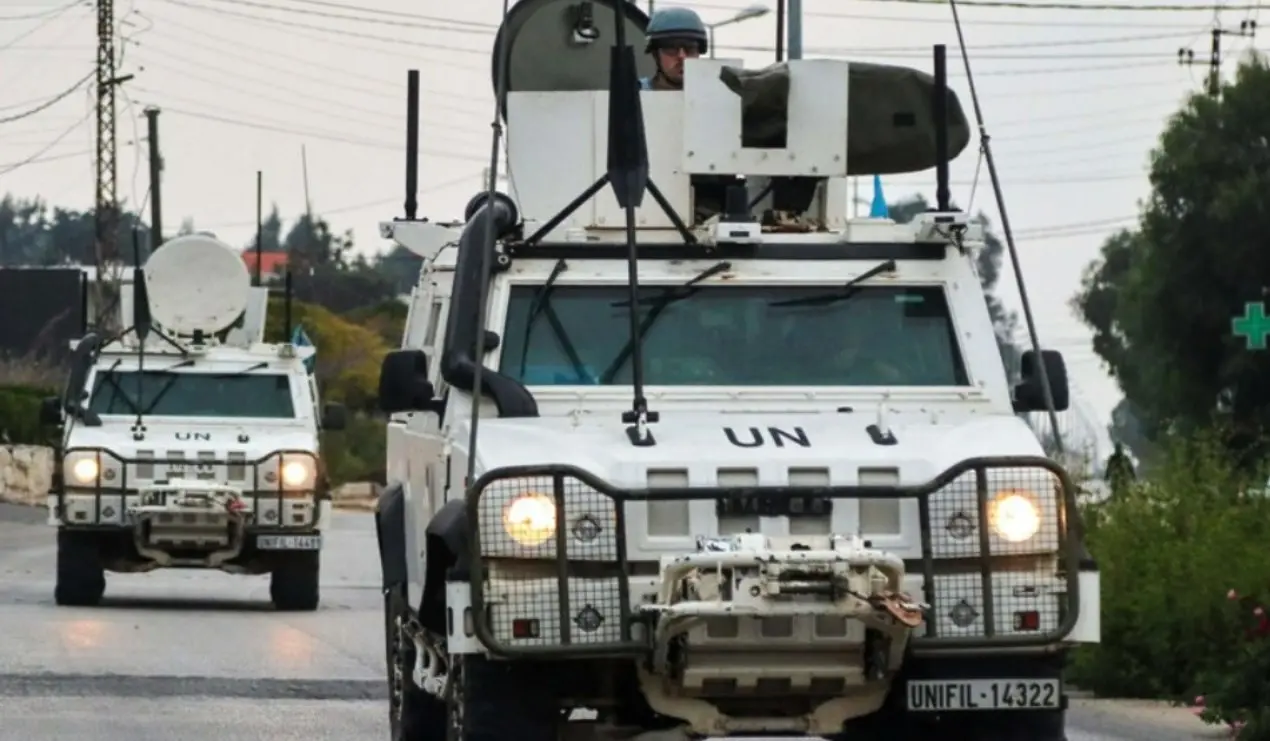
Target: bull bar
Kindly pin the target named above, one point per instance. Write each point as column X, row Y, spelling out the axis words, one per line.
column 251, row 477
column 565, row 480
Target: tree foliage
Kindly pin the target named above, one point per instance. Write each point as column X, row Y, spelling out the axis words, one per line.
column 1168, row 550
column 1160, row 298
column 348, row 354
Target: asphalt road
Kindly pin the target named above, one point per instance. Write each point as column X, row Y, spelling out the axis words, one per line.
column 202, row 656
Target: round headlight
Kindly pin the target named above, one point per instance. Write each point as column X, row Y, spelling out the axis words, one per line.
column 1014, row 516
column 530, row 519
column 295, row 473
column 84, row 470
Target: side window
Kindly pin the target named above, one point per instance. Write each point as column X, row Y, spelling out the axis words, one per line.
column 313, row 396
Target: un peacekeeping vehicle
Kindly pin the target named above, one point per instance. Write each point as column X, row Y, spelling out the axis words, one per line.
column 187, row 440
column 821, row 514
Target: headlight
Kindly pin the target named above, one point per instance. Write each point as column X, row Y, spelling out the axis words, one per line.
column 530, row 519
column 1014, row 516
column 84, row 471
column 296, row 473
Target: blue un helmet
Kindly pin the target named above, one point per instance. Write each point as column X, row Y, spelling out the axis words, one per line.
column 676, row 24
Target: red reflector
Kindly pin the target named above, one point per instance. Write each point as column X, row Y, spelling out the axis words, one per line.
column 524, row 628
column 1030, row 620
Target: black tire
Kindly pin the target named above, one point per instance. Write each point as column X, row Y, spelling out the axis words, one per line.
column 413, row 715
column 81, row 576
column 507, row 701
column 293, row 584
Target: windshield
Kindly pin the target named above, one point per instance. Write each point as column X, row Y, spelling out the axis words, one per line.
column 733, row 336
column 192, row 394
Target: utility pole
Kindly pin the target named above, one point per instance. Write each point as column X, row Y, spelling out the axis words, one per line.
column 106, row 206
column 156, row 174
column 1247, row 28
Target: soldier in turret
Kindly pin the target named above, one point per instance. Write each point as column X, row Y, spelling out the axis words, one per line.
column 674, row 34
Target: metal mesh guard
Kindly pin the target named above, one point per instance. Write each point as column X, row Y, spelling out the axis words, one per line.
column 535, row 602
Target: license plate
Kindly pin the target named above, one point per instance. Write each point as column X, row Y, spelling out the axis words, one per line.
column 289, row 542
column 935, row 695
column 772, row 505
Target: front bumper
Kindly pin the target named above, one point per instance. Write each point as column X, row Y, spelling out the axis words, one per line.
column 980, row 592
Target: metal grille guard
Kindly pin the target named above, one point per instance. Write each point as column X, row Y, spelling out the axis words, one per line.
column 251, row 475
column 572, row 488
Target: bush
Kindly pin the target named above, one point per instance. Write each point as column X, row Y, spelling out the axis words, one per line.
column 24, row 383
column 1163, row 547
column 348, row 355
column 1238, row 695
column 358, row 452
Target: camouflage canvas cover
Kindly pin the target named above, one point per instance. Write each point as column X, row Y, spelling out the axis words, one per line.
column 890, row 126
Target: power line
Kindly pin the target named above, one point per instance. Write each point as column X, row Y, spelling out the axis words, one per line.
column 1096, row 7
column 326, row 136
column 1247, row 28
column 50, row 101
column 276, row 54
column 54, row 12
column 483, row 30
column 44, row 150
column 48, row 18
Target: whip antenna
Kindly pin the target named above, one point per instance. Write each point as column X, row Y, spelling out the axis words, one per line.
column 487, row 249
column 986, row 147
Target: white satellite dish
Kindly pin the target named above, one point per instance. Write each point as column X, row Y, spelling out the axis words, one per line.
column 196, row 283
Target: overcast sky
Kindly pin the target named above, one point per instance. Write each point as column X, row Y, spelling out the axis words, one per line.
column 1073, row 100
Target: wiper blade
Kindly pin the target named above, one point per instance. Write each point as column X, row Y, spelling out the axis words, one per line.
column 243, row 372
column 167, row 384
column 109, row 375
column 659, row 304
column 541, row 305
column 844, row 292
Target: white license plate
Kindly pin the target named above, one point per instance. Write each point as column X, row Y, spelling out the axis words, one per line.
column 289, row 542
column 936, row 695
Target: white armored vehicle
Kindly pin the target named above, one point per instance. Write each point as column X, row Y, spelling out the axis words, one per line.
column 188, row 441
column 822, row 514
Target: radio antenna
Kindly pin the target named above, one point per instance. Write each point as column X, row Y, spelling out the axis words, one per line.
column 986, row 146
column 487, row 249
column 628, row 176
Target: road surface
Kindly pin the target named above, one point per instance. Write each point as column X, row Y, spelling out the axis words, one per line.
column 202, row 656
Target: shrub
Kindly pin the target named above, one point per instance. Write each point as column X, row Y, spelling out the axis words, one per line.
column 1161, row 546
column 1238, row 695
column 24, row 383
column 348, row 355
column 358, row 452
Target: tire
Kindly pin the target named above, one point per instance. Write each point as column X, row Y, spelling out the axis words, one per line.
column 81, row 576
column 413, row 715
column 506, row 701
column 293, row 584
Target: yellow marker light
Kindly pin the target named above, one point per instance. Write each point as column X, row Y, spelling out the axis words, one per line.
column 84, row 470
column 530, row 519
column 1014, row 517
column 295, row 473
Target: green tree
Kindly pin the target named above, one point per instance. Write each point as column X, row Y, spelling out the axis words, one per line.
column 1161, row 297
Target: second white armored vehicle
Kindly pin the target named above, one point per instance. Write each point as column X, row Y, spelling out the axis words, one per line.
column 821, row 515
column 188, row 441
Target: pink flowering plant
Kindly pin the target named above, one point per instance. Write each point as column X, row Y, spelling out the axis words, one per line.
column 1238, row 695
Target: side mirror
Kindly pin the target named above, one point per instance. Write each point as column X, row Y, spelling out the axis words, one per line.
column 334, row 416
column 51, row 411
column 1029, row 395
column 404, row 384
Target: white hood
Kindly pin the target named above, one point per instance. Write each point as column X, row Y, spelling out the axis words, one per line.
column 924, row 447
column 222, row 439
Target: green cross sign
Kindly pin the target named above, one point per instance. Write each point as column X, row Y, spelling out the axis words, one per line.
column 1253, row 326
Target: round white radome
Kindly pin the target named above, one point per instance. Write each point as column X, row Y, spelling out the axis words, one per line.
column 195, row 282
